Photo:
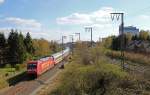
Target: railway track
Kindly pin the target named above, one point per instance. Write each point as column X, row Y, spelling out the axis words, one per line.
column 134, row 68
column 30, row 86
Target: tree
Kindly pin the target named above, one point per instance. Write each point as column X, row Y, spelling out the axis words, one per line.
column 148, row 38
column 143, row 35
column 16, row 52
column 108, row 42
column 116, row 43
column 21, row 48
column 54, row 47
column 135, row 37
column 28, row 44
column 13, row 48
column 2, row 48
column 2, row 40
column 41, row 47
column 128, row 38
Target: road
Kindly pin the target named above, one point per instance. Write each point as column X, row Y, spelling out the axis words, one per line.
column 31, row 86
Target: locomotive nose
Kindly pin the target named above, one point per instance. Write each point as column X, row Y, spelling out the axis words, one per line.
column 32, row 68
column 31, row 71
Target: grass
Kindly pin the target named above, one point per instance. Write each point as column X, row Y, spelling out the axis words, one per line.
column 3, row 83
column 5, row 72
column 90, row 73
column 133, row 57
column 8, row 72
column 97, row 79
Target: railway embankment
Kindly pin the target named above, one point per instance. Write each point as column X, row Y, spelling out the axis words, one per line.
column 29, row 86
column 91, row 72
column 7, row 74
column 17, row 78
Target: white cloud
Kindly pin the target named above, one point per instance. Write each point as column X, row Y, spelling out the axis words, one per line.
column 101, row 16
column 22, row 25
column 143, row 17
column 44, row 33
column 2, row 1
column 23, row 22
column 100, row 20
column 74, row 18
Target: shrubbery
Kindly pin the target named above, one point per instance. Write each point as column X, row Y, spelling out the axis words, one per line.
column 19, row 48
column 90, row 73
column 17, row 67
column 137, row 58
column 98, row 79
column 3, row 83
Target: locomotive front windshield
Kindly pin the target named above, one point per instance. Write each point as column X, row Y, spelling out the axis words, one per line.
column 31, row 66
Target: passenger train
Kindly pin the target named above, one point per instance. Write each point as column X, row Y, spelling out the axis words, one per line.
column 38, row 67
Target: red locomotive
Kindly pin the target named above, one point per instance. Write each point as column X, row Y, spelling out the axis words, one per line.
column 40, row 66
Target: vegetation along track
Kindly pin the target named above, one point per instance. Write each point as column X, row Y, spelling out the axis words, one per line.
column 30, row 86
column 135, row 68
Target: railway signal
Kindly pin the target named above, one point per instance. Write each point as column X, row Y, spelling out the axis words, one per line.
column 118, row 15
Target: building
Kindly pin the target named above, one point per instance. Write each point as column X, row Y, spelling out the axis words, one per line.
column 130, row 29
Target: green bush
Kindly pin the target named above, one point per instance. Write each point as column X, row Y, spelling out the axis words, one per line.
column 8, row 66
column 10, row 70
column 133, row 57
column 81, row 79
column 99, row 79
column 90, row 73
column 3, row 83
column 17, row 67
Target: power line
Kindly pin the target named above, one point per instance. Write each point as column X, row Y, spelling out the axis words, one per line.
column 90, row 29
column 117, row 15
column 78, row 35
column 72, row 40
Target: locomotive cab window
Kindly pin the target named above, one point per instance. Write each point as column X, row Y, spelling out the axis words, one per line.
column 32, row 66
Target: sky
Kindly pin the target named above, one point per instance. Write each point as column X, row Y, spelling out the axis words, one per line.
column 51, row 19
